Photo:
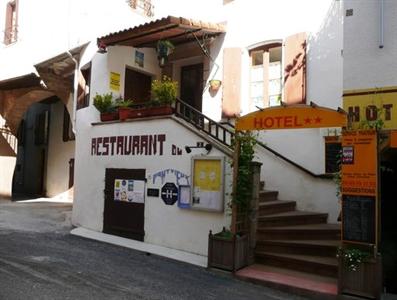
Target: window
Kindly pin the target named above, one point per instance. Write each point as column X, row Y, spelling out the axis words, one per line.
column 142, row 6
column 11, row 25
column 266, row 76
column 333, row 148
column 68, row 134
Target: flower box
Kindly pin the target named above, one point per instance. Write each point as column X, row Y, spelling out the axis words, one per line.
column 230, row 254
column 109, row 116
column 366, row 281
column 135, row 113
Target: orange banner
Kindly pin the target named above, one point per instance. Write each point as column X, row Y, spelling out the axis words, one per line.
column 359, row 163
column 290, row 117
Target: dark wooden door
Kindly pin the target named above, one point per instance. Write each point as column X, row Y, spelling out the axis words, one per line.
column 137, row 86
column 192, row 85
column 121, row 218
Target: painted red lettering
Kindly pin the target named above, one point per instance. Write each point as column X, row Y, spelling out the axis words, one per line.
column 269, row 122
column 288, row 121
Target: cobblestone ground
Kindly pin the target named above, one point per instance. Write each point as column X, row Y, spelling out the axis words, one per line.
column 39, row 259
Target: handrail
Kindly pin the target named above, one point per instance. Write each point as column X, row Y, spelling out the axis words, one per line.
column 196, row 118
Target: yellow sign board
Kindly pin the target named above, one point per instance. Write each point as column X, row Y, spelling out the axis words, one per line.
column 370, row 105
column 292, row 117
column 359, row 162
column 114, row 81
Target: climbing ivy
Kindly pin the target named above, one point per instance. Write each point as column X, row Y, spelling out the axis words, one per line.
column 243, row 190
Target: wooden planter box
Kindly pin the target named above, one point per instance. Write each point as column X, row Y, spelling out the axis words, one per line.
column 227, row 254
column 111, row 116
column 365, row 282
column 134, row 113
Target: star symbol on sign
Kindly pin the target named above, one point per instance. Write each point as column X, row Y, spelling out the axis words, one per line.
column 308, row 121
column 318, row 120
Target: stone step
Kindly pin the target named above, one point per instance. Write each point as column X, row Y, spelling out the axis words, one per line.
column 273, row 207
column 319, row 265
column 292, row 218
column 300, row 232
column 267, row 195
column 294, row 282
column 303, row 247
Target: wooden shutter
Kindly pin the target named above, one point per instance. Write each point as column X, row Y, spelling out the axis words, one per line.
column 295, row 69
column 231, row 82
column 8, row 24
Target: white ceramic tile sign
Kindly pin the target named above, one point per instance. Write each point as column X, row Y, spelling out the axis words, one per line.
column 129, row 190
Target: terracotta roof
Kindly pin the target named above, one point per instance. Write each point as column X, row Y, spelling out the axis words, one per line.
column 175, row 29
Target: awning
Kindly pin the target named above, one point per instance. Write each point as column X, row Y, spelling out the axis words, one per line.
column 175, row 29
column 24, row 81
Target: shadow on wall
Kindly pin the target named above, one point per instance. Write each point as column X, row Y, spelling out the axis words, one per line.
column 324, row 59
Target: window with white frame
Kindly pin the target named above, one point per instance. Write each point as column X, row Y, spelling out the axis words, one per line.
column 266, row 76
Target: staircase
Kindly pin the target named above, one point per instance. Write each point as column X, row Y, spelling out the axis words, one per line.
column 295, row 250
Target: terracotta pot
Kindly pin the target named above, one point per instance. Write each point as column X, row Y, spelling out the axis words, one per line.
column 215, row 84
column 160, row 110
column 124, row 113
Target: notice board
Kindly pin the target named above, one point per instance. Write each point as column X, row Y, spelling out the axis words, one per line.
column 208, row 183
column 359, row 186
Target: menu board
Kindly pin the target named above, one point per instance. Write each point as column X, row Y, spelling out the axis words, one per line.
column 358, row 218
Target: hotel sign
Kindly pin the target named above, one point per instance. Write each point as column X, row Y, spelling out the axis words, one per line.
column 371, row 105
column 292, row 117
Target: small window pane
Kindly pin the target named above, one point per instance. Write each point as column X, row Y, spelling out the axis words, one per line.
column 257, row 74
column 257, row 89
column 275, row 70
column 275, row 100
column 257, row 58
column 274, row 86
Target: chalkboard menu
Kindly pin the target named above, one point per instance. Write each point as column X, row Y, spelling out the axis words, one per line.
column 332, row 156
column 358, row 223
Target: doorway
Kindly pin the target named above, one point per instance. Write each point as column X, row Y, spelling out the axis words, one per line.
column 388, row 244
column 123, row 217
column 192, row 85
column 137, row 86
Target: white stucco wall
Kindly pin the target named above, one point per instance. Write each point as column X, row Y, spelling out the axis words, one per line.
column 47, row 28
column 365, row 64
column 165, row 225
column 59, row 153
column 7, row 164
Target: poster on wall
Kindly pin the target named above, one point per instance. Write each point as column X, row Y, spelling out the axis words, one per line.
column 114, row 81
column 139, row 58
column 208, row 181
column 184, row 196
column 359, row 186
column 128, row 190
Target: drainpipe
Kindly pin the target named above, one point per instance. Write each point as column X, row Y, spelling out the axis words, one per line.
column 382, row 15
column 75, row 88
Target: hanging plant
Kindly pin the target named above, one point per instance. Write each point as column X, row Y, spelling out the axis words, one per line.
column 164, row 49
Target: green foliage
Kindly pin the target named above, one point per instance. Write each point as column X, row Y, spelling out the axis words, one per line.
column 337, row 178
column 377, row 124
column 164, row 91
column 104, row 103
column 243, row 195
column 352, row 257
column 164, row 47
column 123, row 103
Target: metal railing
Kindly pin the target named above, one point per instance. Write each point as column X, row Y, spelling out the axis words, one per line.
column 202, row 122
column 225, row 133
column 10, row 138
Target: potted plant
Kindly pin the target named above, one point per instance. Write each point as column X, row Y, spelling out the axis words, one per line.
column 164, row 48
column 104, row 104
column 163, row 94
column 124, row 108
column 227, row 251
column 359, row 272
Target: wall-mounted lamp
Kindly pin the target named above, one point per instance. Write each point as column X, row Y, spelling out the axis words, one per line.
column 201, row 145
